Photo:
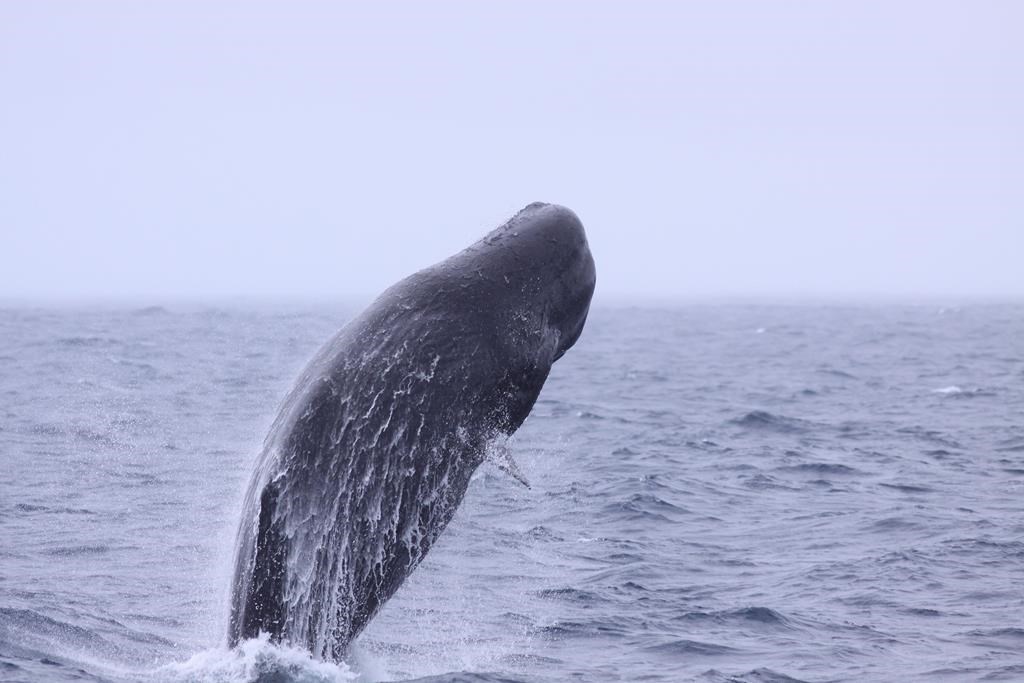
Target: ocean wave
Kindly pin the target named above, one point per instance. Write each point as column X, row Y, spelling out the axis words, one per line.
column 28, row 507
column 77, row 432
column 1013, row 672
column 763, row 420
column 755, row 615
column 1011, row 446
column 819, row 468
column 835, row 373
column 761, row 482
column 755, row 676
column 86, row 341
column 24, row 625
column 573, row 595
column 469, row 677
column 930, row 435
column 954, row 391
column 684, row 647
column 908, row 488
column 589, row 628
column 646, row 504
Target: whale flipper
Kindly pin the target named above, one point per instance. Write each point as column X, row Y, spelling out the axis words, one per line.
column 501, row 455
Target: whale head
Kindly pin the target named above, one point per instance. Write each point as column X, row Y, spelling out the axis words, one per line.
column 530, row 281
column 537, row 273
column 520, row 295
column 550, row 241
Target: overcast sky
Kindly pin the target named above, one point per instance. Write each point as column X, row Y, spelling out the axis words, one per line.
column 163, row 150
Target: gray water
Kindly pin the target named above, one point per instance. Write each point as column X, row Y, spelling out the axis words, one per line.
column 720, row 493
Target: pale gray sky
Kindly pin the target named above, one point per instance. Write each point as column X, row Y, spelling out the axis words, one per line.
column 156, row 150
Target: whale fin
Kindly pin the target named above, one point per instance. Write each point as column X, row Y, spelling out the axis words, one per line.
column 501, row 455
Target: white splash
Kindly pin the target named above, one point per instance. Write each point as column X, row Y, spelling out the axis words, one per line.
column 254, row 660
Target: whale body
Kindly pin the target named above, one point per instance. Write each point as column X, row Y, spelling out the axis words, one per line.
column 373, row 449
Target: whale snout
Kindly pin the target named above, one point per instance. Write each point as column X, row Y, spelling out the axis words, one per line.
column 538, row 262
column 558, row 233
column 556, row 224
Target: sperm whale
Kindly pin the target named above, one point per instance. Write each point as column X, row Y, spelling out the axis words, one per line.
column 373, row 449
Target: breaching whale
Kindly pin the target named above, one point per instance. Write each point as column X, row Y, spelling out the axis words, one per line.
column 373, row 449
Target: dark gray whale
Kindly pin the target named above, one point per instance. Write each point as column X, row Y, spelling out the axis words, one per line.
column 372, row 451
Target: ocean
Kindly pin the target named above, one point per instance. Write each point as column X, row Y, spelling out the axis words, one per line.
column 746, row 493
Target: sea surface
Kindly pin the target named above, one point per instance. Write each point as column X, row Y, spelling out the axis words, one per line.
column 719, row 493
